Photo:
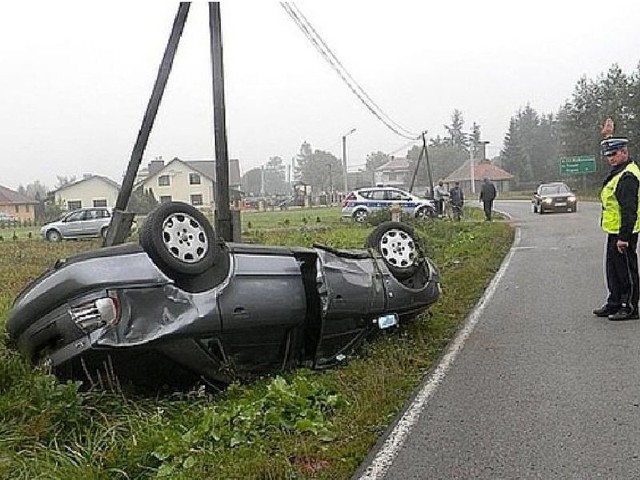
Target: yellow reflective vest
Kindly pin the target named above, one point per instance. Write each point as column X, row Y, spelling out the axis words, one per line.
column 611, row 218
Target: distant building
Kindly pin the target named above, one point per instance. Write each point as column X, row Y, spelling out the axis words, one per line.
column 16, row 205
column 191, row 182
column 91, row 191
column 394, row 173
column 481, row 169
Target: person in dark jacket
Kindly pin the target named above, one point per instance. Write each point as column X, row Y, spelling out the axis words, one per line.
column 621, row 222
column 456, row 197
column 487, row 196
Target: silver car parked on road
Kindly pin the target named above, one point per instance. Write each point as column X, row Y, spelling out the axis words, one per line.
column 85, row 222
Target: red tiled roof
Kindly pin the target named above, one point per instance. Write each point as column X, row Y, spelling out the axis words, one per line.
column 399, row 163
column 9, row 196
column 483, row 169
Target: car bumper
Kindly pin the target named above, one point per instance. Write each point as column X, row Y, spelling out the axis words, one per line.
column 559, row 207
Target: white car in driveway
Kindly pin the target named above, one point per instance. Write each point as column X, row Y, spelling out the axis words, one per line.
column 360, row 203
column 85, row 222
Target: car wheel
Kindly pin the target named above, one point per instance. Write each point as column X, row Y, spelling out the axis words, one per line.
column 540, row 210
column 360, row 216
column 399, row 246
column 54, row 236
column 179, row 239
column 426, row 212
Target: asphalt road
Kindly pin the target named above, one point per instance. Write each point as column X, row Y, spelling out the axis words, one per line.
column 541, row 388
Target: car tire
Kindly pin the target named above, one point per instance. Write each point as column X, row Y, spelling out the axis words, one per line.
column 426, row 212
column 360, row 216
column 399, row 246
column 53, row 236
column 179, row 239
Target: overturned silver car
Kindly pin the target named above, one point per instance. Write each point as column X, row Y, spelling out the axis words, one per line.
column 183, row 306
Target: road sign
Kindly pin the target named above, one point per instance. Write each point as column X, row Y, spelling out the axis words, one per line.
column 575, row 165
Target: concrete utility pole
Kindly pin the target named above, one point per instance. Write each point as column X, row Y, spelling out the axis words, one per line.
column 344, row 159
column 222, row 199
column 472, row 167
column 330, row 186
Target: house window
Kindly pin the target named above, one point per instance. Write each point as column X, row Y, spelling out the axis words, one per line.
column 194, row 179
column 196, row 199
column 17, row 208
column 74, row 204
column 100, row 203
column 164, row 181
column 165, row 198
column 393, row 177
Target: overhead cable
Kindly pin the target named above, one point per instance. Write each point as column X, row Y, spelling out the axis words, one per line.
column 312, row 35
column 346, row 72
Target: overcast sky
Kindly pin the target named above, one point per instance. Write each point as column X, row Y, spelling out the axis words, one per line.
column 76, row 76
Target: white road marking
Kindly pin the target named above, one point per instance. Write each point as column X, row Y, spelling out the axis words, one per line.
column 400, row 432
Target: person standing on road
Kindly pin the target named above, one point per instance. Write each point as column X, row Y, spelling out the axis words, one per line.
column 487, row 196
column 621, row 222
column 440, row 193
column 456, row 196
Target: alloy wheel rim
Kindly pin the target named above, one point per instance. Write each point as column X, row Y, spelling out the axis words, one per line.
column 184, row 238
column 398, row 248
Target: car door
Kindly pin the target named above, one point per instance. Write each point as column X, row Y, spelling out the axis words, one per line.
column 92, row 222
column 72, row 224
column 379, row 200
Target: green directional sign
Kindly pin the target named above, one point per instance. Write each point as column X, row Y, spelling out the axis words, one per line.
column 575, row 165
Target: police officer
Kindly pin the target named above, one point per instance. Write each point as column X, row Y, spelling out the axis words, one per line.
column 621, row 222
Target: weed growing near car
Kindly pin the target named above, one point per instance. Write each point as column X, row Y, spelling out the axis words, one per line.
column 300, row 425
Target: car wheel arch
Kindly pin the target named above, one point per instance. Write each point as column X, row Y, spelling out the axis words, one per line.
column 53, row 235
column 360, row 214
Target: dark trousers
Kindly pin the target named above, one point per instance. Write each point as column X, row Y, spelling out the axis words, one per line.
column 488, row 206
column 622, row 273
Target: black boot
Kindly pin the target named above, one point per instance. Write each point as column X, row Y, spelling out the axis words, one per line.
column 606, row 310
column 625, row 313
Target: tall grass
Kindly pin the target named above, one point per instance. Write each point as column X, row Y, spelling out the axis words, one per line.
column 300, row 425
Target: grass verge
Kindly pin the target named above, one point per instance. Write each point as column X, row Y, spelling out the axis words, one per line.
column 301, row 424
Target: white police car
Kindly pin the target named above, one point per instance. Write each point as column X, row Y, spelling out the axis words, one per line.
column 360, row 203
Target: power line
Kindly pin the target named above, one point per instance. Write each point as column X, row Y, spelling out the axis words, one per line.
column 339, row 64
column 404, row 146
column 312, row 35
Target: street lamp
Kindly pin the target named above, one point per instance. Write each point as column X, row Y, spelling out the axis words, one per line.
column 344, row 159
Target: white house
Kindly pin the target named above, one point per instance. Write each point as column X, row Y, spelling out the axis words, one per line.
column 91, row 191
column 394, row 173
column 191, row 182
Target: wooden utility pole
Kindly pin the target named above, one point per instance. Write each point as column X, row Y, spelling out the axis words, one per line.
column 426, row 157
column 120, row 225
column 222, row 199
column 423, row 153
column 415, row 171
